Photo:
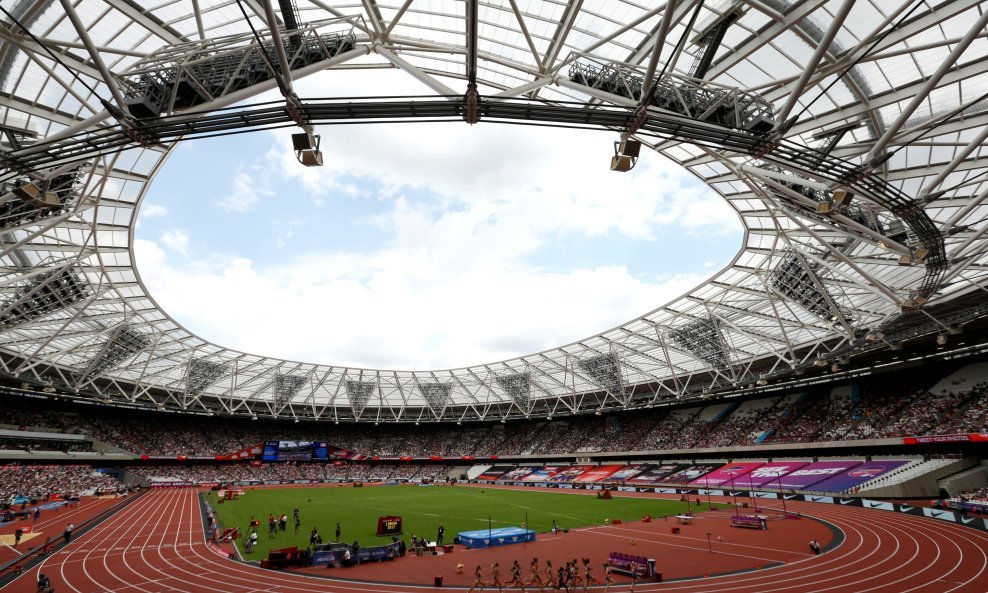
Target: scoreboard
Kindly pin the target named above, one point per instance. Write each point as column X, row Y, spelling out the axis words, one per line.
column 294, row 451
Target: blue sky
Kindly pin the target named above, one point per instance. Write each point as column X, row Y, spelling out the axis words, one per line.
column 420, row 245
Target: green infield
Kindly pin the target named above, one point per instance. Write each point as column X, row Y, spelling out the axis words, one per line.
column 423, row 509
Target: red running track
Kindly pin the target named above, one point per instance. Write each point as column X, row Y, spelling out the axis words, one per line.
column 157, row 545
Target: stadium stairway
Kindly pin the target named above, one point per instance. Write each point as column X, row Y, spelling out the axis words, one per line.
column 918, row 481
column 969, row 479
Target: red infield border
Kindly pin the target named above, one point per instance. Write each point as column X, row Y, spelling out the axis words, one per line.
column 158, row 546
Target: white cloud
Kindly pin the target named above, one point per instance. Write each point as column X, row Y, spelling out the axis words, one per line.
column 153, row 211
column 246, row 193
column 176, row 240
column 466, row 210
column 391, row 309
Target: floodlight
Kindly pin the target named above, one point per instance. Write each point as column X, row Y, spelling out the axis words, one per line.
column 914, row 302
column 625, row 155
column 310, row 158
column 836, row 203
column 304, row 141
column 306, row 147
column 917, row 255
column 32, row 194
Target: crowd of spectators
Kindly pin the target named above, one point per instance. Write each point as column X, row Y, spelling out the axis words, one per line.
column 31, row 445
column 284, row 472
column 880, row 407
column 977, row 495
column 43, row 482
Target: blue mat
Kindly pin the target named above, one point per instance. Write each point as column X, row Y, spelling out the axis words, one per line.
column 502, row 536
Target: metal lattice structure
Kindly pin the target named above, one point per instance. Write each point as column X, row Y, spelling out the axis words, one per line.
column 848, row 135
column 41, row 295
column 798, row 281
column 703, row 340
column 518, row 387
column 201, row 374
column 360, row 393
column 286, row 387
column 605, row 371
column 436, row 395
column 122, row 343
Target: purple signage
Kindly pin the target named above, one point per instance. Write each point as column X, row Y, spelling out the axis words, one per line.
column 768, row 475
column 651, row 474
column 725, row 476
column 857, row 476
column 816, row 472
column 691, row 473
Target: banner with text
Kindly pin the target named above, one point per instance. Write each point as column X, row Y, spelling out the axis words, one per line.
column 857, row 476
column 810, row 474
column 727, row 475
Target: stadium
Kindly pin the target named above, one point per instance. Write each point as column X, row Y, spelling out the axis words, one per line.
column 828, row 385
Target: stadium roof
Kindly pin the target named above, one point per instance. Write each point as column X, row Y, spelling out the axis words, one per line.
column 849, row 136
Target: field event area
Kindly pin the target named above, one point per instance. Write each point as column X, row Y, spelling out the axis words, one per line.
column 423, row 509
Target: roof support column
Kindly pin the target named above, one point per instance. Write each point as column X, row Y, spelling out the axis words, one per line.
column 822, row 47
column 924, row 92
column 416, row 73
column 93, row 53
column 279, row 46
column 957, row 160
column 660, row 41
column 199, row 25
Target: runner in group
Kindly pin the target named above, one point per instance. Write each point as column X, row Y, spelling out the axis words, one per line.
column 496, row 576
column 534, row 576
column 478, row 579
column 550, row 575
column 588, row 580
column 516, row 576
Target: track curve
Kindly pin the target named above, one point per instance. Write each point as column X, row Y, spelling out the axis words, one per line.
column 158, row 545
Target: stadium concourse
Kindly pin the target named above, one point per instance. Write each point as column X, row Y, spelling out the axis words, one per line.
column 835, row 367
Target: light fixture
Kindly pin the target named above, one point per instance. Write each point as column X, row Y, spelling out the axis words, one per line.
column 838, row 202
column 32, row 194
column 942, row 339
column 625, row 155
column 306, row 146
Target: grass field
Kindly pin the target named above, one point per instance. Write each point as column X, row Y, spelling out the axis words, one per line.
column 422, row 509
